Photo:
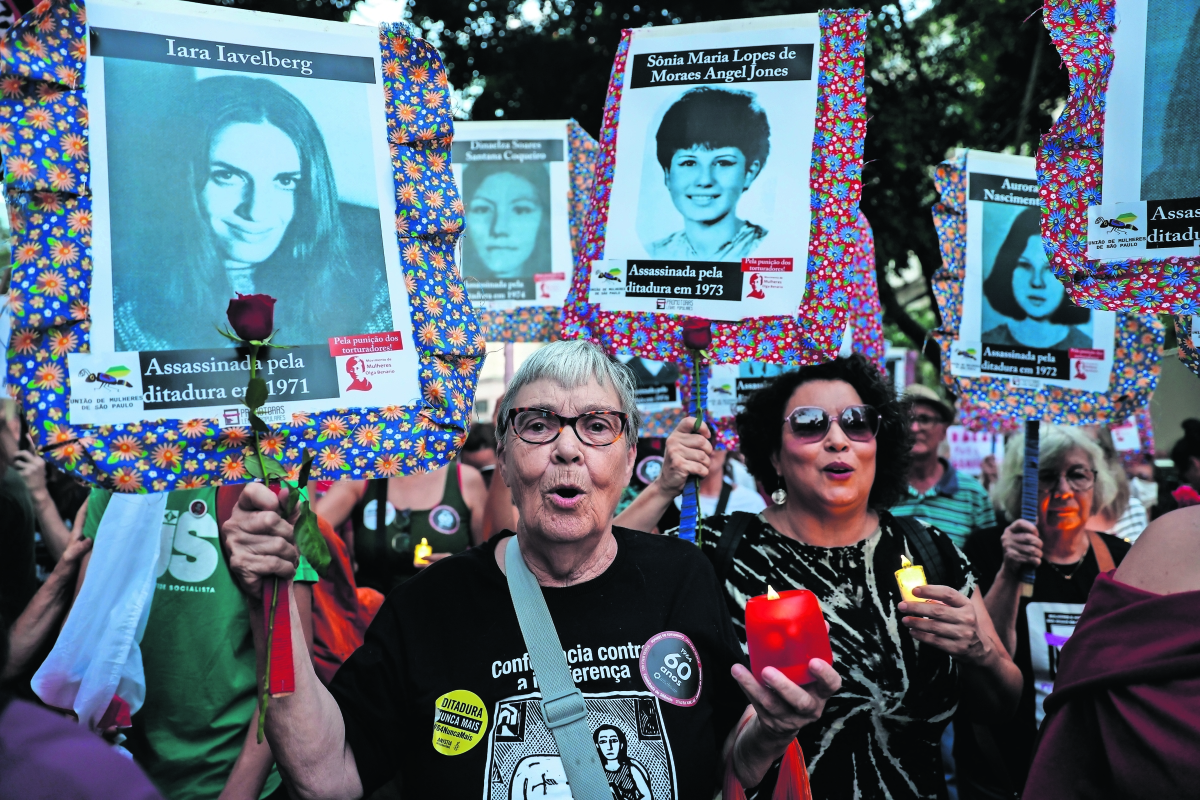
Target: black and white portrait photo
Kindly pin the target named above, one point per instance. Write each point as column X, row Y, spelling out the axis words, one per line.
column 507, row 239
column 1171, row 113
column 713, row 154
column 1025, row 305
column 711, row 145
column 223, row 182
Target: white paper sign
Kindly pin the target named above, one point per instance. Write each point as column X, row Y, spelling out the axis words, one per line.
column 657, row 383
column 1125, row 437
column 731, row 384
column 234, row 153
column 1050, row 626
column 1017, row 320
column 709, row 213
column 969, row 448
column 515, row 185
column 1151, row 131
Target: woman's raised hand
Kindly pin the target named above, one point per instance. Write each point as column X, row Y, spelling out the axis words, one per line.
column 686, row 454
column 950, row 624
column 783, row 707
column 1021, row 545
column 258, row 542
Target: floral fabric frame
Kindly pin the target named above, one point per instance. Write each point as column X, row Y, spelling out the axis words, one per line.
column 814, row 334
column 44, row 142
column 1187, row 351
column 541, row 323
column 993, row 404
column 1070, row 171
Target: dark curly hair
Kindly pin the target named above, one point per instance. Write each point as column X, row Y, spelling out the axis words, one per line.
column 760, row 424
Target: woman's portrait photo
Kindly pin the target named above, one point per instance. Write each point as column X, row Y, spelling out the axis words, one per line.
column 711, row 144
column 225, row 184
column 628, row 779
column 1171, row 110
column 1025, row 305
column 507, row 236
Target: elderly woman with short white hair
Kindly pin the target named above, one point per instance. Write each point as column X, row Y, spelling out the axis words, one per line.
column 1073, row 484
column 447, row 692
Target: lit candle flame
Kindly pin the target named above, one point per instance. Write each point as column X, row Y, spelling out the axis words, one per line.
column 904, row 562
column 771, row 593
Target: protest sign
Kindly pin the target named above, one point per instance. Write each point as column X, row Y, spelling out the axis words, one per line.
column 525, row 187
column 751, row 222
column 1014, row 344
column 234, row 152
column 1017, row 319
column 1119, row 171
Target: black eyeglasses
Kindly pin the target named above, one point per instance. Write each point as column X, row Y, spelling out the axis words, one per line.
column 810, row 424
column 1078, row 478
column 539, row 426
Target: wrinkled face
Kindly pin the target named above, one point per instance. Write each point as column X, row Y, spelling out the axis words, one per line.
column 1062, row 507
column 609, row 744
column 834, row 472
column 928, row 429
column 1035, row 288
column 503, row 220
column 705, row 185
column 565, row 490
column 250, row 196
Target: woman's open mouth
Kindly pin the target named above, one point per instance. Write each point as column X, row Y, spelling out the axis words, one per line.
column 838, row 470
column 566, row 496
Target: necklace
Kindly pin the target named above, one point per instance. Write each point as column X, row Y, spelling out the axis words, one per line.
column 1074, row 568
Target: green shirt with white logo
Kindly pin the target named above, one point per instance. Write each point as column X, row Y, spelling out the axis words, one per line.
column 197, row 652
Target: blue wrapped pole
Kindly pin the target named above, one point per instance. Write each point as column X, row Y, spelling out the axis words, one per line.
column 690, row 516
column 1029, row 496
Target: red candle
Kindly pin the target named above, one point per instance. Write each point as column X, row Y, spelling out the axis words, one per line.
column 786, row 630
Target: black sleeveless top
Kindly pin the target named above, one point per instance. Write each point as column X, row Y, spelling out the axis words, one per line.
column 385, row 560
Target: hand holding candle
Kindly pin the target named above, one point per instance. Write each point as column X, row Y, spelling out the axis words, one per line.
column 909, row 577
column 786, row 631
column 422, row 553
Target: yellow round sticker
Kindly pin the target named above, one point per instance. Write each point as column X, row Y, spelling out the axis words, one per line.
column 459, row 722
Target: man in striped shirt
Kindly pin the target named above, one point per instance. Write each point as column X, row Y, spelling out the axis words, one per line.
column 937, row 493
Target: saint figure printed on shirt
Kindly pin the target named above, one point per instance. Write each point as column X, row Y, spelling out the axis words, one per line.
column 628, row 779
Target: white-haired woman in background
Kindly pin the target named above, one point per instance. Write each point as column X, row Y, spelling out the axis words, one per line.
column 1073, row 484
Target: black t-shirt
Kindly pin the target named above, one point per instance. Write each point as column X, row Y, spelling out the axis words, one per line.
column 449, row 638
column 1051, row 614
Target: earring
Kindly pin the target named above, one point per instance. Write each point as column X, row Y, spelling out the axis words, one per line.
column 779, row 496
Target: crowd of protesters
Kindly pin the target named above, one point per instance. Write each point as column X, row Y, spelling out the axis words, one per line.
column 836, row 478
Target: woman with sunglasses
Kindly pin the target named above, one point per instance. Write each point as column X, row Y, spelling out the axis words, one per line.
column 831, row 444
column 1072, row 485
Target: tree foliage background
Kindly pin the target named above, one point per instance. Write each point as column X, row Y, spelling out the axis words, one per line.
column 940, row 74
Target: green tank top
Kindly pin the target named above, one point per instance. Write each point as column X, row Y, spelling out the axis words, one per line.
column 386, row 560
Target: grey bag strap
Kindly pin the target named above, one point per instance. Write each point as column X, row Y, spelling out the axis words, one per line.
column 563, row 707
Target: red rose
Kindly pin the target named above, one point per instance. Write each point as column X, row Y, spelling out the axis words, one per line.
column 697, row 333
column 252, row 316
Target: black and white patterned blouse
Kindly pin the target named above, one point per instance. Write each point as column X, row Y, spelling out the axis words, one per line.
column 878, row 737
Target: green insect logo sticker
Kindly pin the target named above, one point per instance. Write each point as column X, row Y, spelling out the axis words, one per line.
column 460, row 721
